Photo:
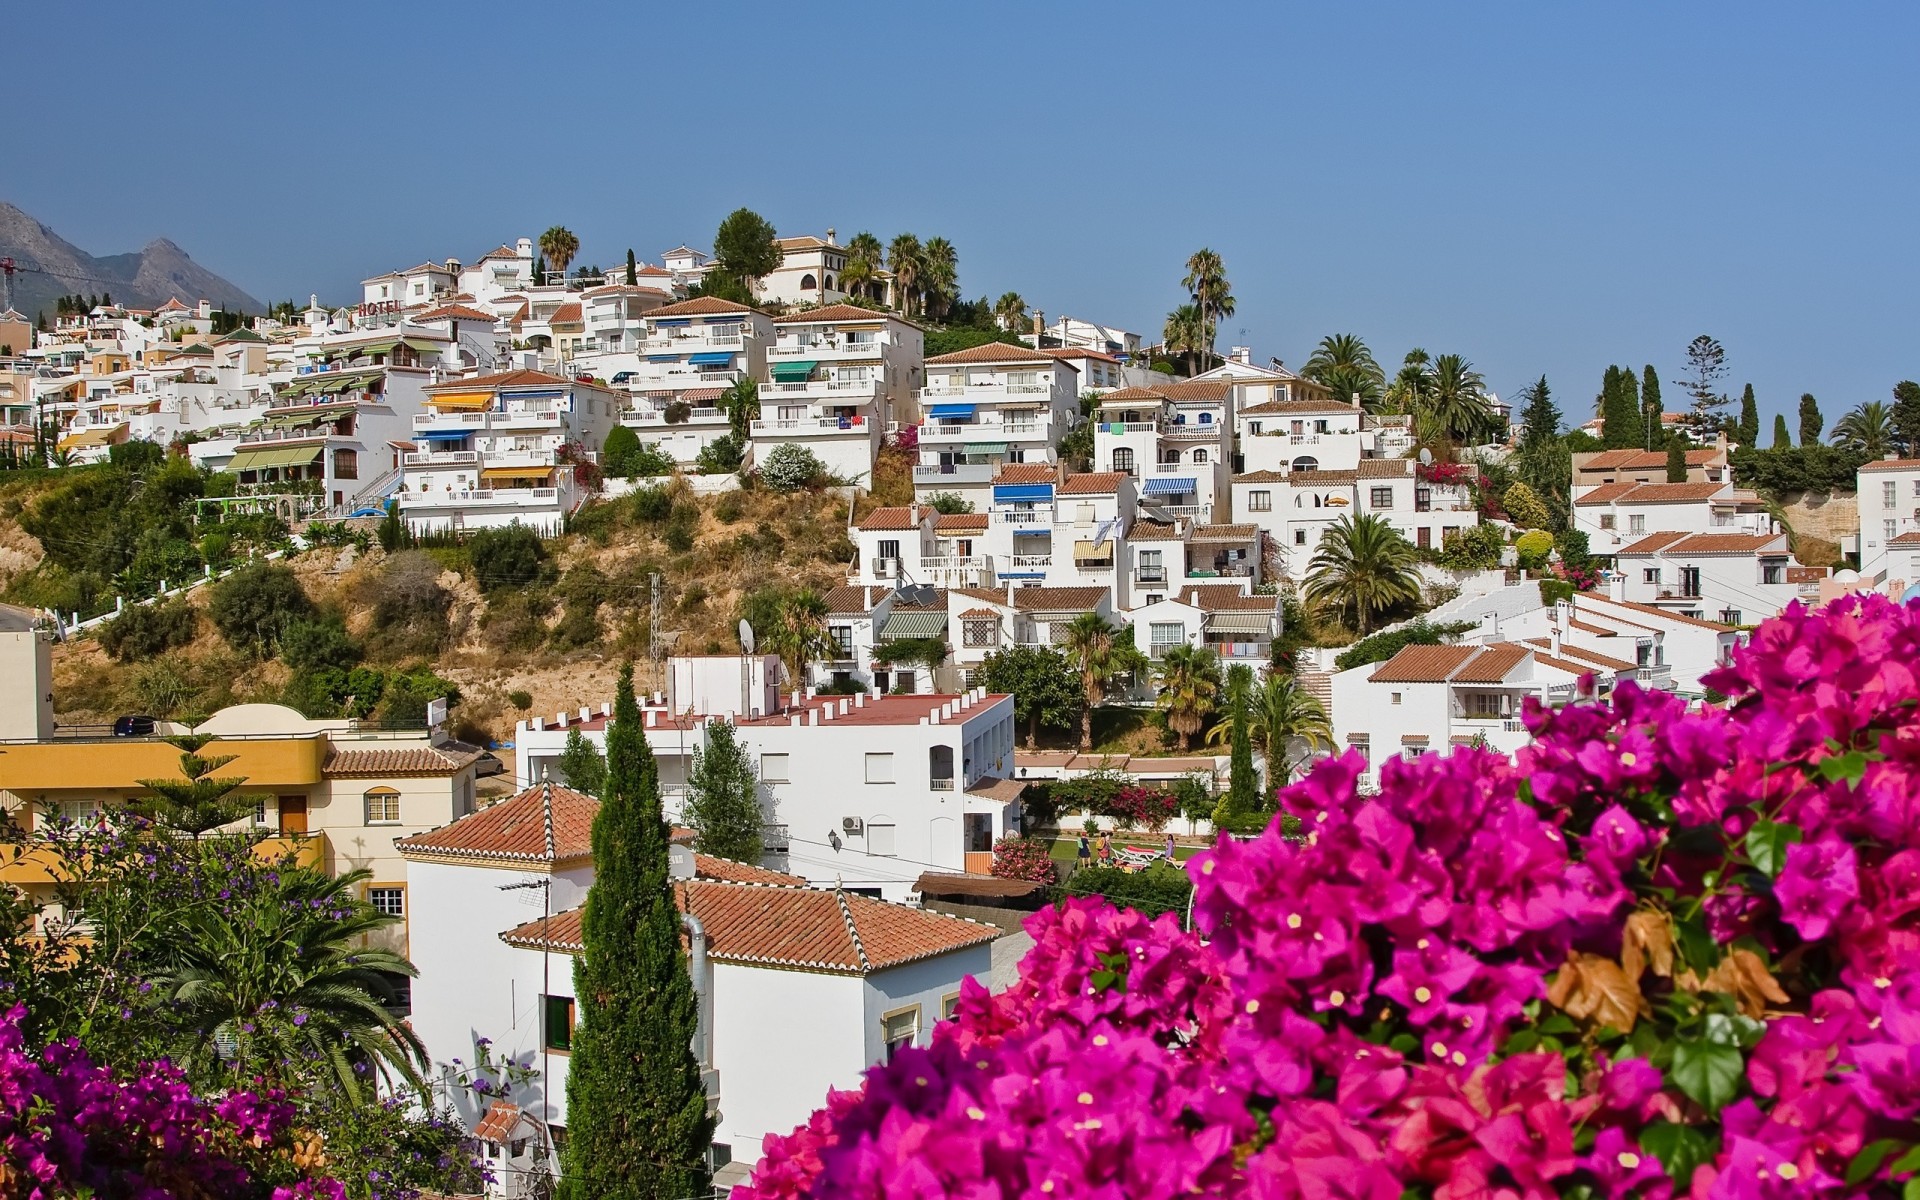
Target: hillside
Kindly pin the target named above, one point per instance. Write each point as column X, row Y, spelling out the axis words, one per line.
column 50, row 267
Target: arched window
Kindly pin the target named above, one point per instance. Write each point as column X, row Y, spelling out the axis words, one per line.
column 1200, row 455
column 383, row 806
column 1170, row 456
column 1206, row 418
column 1123, row 460
column 830, row 283
column 808, row 283
column 1306, row 462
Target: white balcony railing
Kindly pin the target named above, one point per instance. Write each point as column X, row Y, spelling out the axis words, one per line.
column 440, row 458
column 499, row 497
column 812, row 425
column 1027, row 562
column 1022, row 516
column 522, row 419
column 447, row 420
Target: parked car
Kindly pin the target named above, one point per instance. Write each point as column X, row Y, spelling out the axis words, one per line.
column 488, row 765
column 622, row 376
column 134, row 727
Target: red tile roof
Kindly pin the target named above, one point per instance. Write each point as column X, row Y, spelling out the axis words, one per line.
column 458, row 312
column 960, row 523
column 1268, row 408
column 498, row 380
column 1079, row 352
column 1026, row 473
column 1656, row 612
column 805, row 928
column 1093, row 483
column 498, row 1123
column 1727, row 543
column 700, row 306
column 1153, row 531
column 566, row 314
column 839, row 314
column 1133, row 395
column 1261, row 477
column 1653, row 542
column 727, row 870
column 1598, row 659
column 546, row 823
column 445, row 759
column 1196, row 390
column 1042, row 599
column 1645, row 460
column 1001, row 791
column 1226, row 597
column 1423, row 664
column 991, row 352
column 1892, row 464
column 903, row 517
column 850, row 599
column 1385, row 468
column 1652, row 493
column 1225, row 533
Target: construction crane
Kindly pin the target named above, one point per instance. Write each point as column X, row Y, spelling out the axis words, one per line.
column 6, row 272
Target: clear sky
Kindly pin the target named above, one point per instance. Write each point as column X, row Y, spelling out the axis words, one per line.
column 1544, row 188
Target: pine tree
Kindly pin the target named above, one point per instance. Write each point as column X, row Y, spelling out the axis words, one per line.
column 197, row 802
column 637, row 1123
column 581, row 767
column 1651, row 408
column 1706, row 367
column 1810, row 420
column 1782, row 440
column 1906, row 416
column 1676, row 461
column 723, row 797
column 1749, row 431
column 1541, row 459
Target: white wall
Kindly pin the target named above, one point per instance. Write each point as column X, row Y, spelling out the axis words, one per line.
column 926, row 983
column 780, row 1040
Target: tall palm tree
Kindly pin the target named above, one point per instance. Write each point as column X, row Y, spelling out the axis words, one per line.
column 1188, row 679
column 864, row 256
column 1363, row 566
column 940, row 276
column 1866, row 430
column 1455, row 407
column 1407, row 393
column 1206, row 282
column 559, row 246
column 800, row 635
column 1011, row 311
column 906, row 258
column 1344, row 365
column 278, row 975
column 1280, row 711
column 1185, row 334
column 1099, row 653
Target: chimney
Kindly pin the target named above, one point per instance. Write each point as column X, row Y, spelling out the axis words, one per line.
column 813, row 716
column 793, row 719
column 830, row 240
column 586, row 714
column 453, row 266
column 524, row 248
column 1555, row 639
column 866, row 594
column 829, row 712
column 1009, row 593
column 1242, row 354
column 1354, row 399
column 653, row 718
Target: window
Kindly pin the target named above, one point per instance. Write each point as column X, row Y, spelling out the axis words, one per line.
column 898, row 1029
column 1299, row 427
column 1606, row 521
column 949, row 1004
column 1887, row 527
column 346, row 464
column 390, row 901
column 982, row 631
column 383, row 807
column 1260, row 501
column 259, row 810
column 1486, row 706
column 1319, row 426
column 1123, row 460
column 773, row 769
column 557, row 1020
column 1651, row 575
column 80, row 812
column 1151, row 569
column 1199, row 456
column 1380, row 497
column 979, row 832
column 1423, row 537
column 1253, row 427
column 880, row 767
column 1637, row 523
column 1363, row 743
column 1730, row 616
column 880, row 838
column 1890, row 493
column 1396, row 697
column 1772, row 570
column 842, row 636
column 1299, row 537
column 1306, row 462
column 1206, row 418
column 1164, row 635
column 890, row 548
column 808, row 283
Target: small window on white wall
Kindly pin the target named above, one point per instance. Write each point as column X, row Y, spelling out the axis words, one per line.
column 880, row 768
column 773, row 768
column 880, row 839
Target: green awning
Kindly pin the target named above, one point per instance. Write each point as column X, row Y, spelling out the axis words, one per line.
column 913, row 625
column 986, row 447
column 375, row 348
column 263, row 457
column 1240, row 622
column 793, row 372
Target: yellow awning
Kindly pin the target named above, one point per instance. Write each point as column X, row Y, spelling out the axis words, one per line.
column 1092, row 551
column 515, row 472
column 445, row 401
column 89, row 437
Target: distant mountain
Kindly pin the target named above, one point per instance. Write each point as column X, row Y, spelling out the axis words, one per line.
column 51, row 267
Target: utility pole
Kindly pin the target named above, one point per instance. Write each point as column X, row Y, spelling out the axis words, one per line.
column 655, row 642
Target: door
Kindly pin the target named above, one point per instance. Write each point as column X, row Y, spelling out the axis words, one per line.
column 979, row 843
column 293, row 814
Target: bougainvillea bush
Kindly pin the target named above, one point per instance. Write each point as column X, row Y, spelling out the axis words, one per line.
column 1028, row 858
column 1666, row 953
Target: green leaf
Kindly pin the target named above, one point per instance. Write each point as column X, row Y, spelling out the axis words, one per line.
column 1680, row 1148
column 1767, row 844
column 1868, row 1161
column 1910, row 1161
column 1912, row 1190
column 1708, row 1072
column 1849, row 766
column 1697, row 946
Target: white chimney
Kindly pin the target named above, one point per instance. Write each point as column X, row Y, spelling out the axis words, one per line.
column 1242, row 354
column 653, row 717
column 860, row 699
column 829, row 712
column 1009, row 593
column 586, row 714
column 813, row 716
column 524, row 247
column 830, row 232
column 866, row 594
column 793, row 719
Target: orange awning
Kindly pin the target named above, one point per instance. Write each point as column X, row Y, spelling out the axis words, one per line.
column 491, row 473
column 451, row 401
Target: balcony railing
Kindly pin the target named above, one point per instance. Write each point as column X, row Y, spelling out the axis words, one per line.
column 822, row 348
column 986, row 389
column 1151, row 574
column 802, row 425
column 522, row 419
column 1175, row 468
column 1022, row 516
column 479, row 496
column 440, row 458
column 689, row 339
column 1191, row 431
column 654, row 416
column 1120, row 427
column 940, row 783
column 441, row 420
column 1022, row 563
column 869, row 387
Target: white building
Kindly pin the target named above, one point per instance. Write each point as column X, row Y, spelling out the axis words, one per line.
column 1615, row 515
column 1098, row 372
column 989, row 406
column 1237, row 626
column 1180, row 449
column 852, row 978
column 501, row 272
column 1315, row 432
column 835, row 378
column 1074, row 333
column 809, row 272
column 1734, row 578
column 1888, row 494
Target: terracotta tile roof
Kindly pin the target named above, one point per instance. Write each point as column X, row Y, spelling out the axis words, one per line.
column 445, row 759
column 499, row 252
column 839, row 314
column 1422, row 664
column 1606, row 493
column 1261, row 477
column 991, row 352
column 1000, row 791
column 1079, row 352
column 847, row 599
column 458, row 312
column 1906, row 539
column 1296, row 407
column 941, row 883
column 1598, row 659
column 1491, row 664
column 1385, row 468
column 624, row 289
column 903, row 517
column 546, row 823
column 806, row 928
column 980, row 613
column 1093, row 483
column 1153, row 531
column 1042, row 599
column 1026, row 473
column 1595, row 630
column 566, row 314
column 1314, row 479
column 1225, row 533
column 700, row 306
column 960, row 523
column 1561, row 664
column 498, row 380
column 727, row 870
column 1657, row 612
column 1222, row 597
column 1644, row 460
column 498, row 1123
column 1196, row 390
column 1042, row 758
column 1730, row 543
column 1131, row 395
column 1652, row 543
column 1892, row 464
column 805, row 241
column 1653, row 493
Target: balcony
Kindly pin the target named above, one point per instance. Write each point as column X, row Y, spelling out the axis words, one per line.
column 1303, row 439
column 1241, row 651
column 1660, row 676
column 1221, row 571
column 1179, row 468
column 656, row 419
column 841, row 391
column 693, row 340
column 813, row 426
column 1031, row 517
column 954, row 474
column 440, row 458
column 523, row 419
column 953, row 571
column 450, row 420
column 986, row 390
column 940, row 783
column 1151, row 575
column 985, row 431
column 1027, row 564
column 828, row 348
column 1193, row 432
column 482, row 498
column 1117, row 428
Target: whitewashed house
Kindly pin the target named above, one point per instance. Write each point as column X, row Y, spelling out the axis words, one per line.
column 987, row 407
column 835, row 377
column 1888, row 493
column 1615, row 515
column 1733, row 578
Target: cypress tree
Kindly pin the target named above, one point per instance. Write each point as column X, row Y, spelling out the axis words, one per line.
column 1651, row 407
column 1633, row 421
column 1906, row 416
column 633, row 273
column 1620, row 408
column 1243, row 793
column 637, row 1116
column 1810, row 420
column 1676, row 461
column 1749, row 433
column 1781, row 439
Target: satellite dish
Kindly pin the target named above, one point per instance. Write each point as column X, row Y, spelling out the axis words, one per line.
column 1426, row 457
column 746, row 636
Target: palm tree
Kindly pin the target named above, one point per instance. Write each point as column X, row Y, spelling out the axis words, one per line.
column 1343, row 365
column 1011, row 311
column 1455, row 407
column 558, row 245
column 1099, row 654
column 905, row 259
column 940, row 276
column 1189, row 681
column 1867, row 430
column 1280, row 711
column 1206, row 282
column 864, row 256
column 1363, row 566
column 800, row 635
column 1408, row 391
column 1185, row 334
column 280, row 974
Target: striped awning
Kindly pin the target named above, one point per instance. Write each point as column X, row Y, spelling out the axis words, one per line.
column 97, row 436
column 986, row 447
column 460, row 400
column 914, row 625
column 1169, row 485
column 793, row 372
column 492, row 473
column 262, row 458
column 1092, row 551
column 1240, row 622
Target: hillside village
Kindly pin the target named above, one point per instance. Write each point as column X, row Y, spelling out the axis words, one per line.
column 946, row 585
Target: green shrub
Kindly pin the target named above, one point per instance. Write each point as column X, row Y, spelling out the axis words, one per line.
column 517, row 620
column 1475, row 548
column 1552, row 591
column 651, row 504
column 410, row 607
column 1160, row 888
column 1533, row 548
column 728, row 507
column 520, row 699
column 618, row 451
column 681, row 526
column 146, row 630
column 949, row 504
column 252, row 606
column 791, row 467
column 721, row 456
column 317, row 642
column 505, row 558
column 583, row 589
column 1383, row 646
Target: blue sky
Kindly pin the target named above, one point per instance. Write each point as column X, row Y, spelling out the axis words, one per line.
column 1544, row 188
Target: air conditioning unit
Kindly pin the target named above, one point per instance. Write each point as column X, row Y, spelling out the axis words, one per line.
column 852, row 826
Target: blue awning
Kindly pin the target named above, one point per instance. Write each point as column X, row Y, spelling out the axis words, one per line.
column 713, row 358
column 535, row 393
column 674, row 321
column 663, row 358
column 1026, row 491
column 443, row 435
column 1163, row 485
column 944, row 411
